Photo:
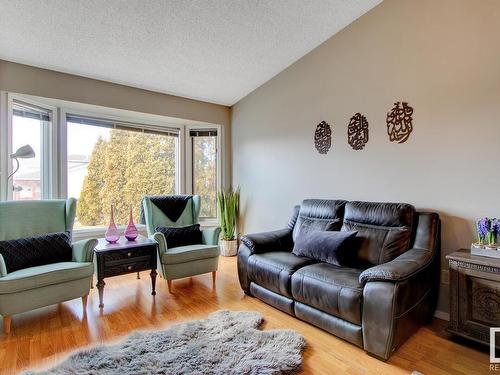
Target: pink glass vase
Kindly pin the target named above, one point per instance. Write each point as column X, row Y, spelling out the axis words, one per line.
column 131, row 230
column 112, row 235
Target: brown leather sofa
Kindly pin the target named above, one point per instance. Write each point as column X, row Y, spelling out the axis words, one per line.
column 386, row 288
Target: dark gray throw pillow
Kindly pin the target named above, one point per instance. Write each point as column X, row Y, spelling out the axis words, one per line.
column 36, row 251
column 324, row 246
column 306, row 225
column 183, row 236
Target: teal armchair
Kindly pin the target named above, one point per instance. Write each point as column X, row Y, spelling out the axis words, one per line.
column 30, row 288
column 181, row 261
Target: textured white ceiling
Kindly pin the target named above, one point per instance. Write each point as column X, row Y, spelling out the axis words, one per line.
column 212, row 50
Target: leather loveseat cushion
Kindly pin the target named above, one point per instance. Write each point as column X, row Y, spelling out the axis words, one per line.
column 319, row 214
column 331, row 289
column 273, row 270
column 384, row 231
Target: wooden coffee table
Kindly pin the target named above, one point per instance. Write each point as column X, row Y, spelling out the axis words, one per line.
column 125, row 257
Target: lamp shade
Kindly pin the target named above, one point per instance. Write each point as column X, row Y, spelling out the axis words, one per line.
column 24, row 152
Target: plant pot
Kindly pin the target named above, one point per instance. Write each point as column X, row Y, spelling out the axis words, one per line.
column 228, row 248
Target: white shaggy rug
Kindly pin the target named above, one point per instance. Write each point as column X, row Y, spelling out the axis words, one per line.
column 225, row 343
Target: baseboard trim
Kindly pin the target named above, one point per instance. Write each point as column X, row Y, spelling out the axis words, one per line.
column 442, row 315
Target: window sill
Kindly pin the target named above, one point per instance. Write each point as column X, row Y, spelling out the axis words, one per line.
column 98, row 232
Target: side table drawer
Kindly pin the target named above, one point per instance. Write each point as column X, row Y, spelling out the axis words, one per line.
column 124, row 268
column 127, row 255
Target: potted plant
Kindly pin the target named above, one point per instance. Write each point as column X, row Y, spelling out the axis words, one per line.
column 228, row 202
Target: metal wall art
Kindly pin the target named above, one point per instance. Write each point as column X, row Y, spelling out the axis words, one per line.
column 399, row 122
column 357, row 131
column 323, row 137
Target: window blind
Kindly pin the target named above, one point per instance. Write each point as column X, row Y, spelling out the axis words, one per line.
column 203, row 133
column 23, row 110
column 121, row 125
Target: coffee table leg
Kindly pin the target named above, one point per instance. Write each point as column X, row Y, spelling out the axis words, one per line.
column 100, row 286
column 153, row 281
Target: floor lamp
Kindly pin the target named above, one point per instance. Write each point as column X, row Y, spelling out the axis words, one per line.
column 23, row 152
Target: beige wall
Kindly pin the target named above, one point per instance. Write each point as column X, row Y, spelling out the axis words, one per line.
column 24, row 79
column 442, row 57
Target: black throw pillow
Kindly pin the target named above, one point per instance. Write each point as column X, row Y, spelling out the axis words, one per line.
column 175, row 237
column 324, row 246
column 36, row 251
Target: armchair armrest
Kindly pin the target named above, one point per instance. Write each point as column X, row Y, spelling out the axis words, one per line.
column 278, row 240
column 210, row 236
column 83, row 251
column 399, row 269
column 3, row 267
column 162, row 242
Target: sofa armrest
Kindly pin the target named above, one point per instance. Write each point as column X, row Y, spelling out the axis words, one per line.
column 399, row 269
column 401, row 295
column 162, row 242
column 278, row 240
column 83, row 251
column 210, row 236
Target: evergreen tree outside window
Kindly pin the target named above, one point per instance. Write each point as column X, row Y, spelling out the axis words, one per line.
column 109, row 163
column 204, row 158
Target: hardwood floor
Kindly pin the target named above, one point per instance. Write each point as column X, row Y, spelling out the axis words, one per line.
column 41, row 338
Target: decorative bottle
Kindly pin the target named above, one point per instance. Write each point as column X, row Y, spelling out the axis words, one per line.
column 131, row 230
column 112, row 235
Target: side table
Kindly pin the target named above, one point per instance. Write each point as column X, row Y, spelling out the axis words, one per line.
column 123, row 257
column 474, row 295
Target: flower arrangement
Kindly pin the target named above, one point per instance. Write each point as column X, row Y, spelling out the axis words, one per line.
column 487, row 229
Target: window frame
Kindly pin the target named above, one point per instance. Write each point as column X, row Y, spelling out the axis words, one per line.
column 190, row 169
column 165, row 127
column 48, row 175
column 56, row 151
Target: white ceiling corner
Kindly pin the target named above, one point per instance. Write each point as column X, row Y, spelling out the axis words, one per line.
column 215, row 50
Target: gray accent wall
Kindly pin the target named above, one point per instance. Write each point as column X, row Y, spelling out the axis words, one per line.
column 442, row 57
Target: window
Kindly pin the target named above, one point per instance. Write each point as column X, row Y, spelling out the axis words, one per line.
column 30, row 126
column 116, row 163
column 205, row 176
column 103, row 156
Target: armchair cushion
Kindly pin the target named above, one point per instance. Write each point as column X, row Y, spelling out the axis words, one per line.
column 48, row 274
column 183, row 236
column 36, row 251
column 190, row 253
column 400, row 268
